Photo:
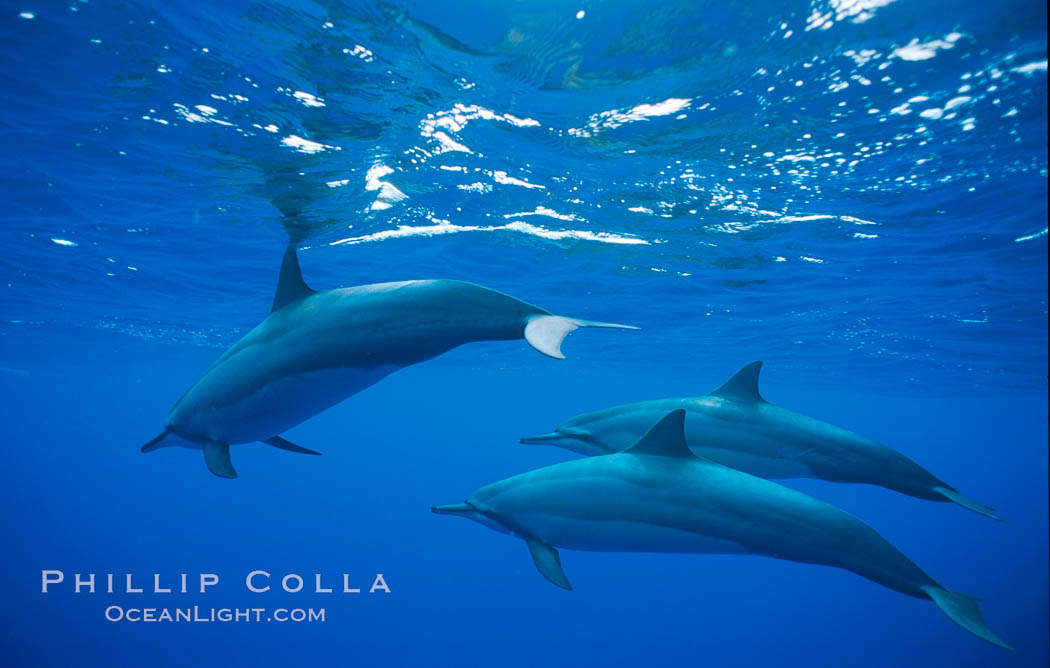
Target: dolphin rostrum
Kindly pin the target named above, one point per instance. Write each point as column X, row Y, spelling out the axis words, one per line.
column 316, row 348
column 735, row 426
column 657, row 496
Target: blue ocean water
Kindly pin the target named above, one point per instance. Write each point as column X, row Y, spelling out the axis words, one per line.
column 853, row 191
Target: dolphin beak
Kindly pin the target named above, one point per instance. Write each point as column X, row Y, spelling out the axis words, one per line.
column 472, row 513
column 571, row 438
column 452, row 509
column 544, row 438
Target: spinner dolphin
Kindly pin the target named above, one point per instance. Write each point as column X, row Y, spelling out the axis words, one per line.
column 735, row 426
column 657, row 496
column 316, row 348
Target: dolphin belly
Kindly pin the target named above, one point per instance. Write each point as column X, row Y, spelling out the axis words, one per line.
column 277, row 405
column 621, row 536
column 763, row 467
column 743, row 437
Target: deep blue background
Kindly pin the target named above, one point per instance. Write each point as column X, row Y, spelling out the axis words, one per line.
column 889, row 268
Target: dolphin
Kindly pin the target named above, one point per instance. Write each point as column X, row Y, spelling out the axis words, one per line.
column 735, row 426
column 316, row 348
column 657, row 496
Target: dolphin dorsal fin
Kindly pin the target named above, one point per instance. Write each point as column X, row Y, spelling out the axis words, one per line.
column 666, row 438
column 290, row 284
column 743, row 384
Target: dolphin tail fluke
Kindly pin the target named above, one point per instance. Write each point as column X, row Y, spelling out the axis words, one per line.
column 546, row 332
column 962, row 609
column 967, row 502
column 217, row 457
column 285, row 444
column 548, row 563
column 155, row 442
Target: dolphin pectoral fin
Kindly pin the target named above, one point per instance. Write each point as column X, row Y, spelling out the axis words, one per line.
column 546, row 332
column 962, row 609
column 217, row 457
column 155, row 442
column 285, row 444
column 548, row 563
column 967, row 503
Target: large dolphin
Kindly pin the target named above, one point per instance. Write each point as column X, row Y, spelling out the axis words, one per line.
column 317, row 348
column 657, row 496
column 735, row 426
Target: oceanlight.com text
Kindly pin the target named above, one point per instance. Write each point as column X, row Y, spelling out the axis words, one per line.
column 196, row 613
